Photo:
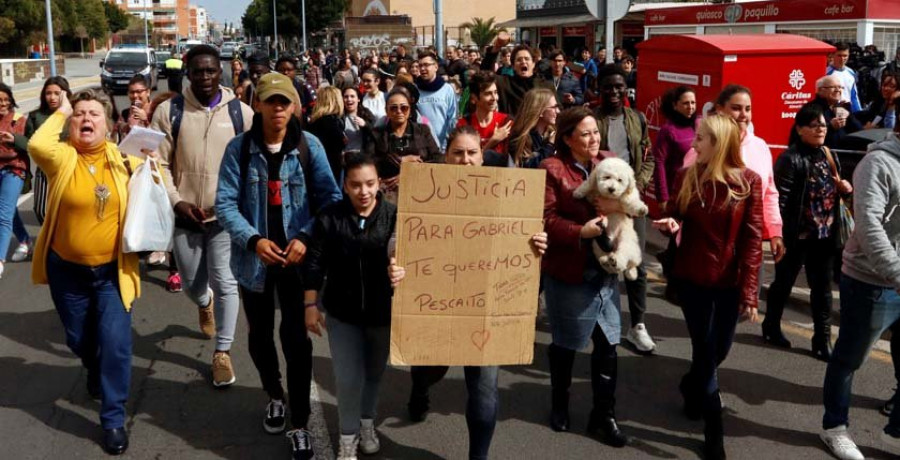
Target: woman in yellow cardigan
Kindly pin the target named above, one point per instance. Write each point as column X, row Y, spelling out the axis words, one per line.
column 79, row 252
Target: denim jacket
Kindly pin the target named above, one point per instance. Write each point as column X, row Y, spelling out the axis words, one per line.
column 246, row 217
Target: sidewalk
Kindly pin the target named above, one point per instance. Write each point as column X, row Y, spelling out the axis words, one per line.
column 81, row 74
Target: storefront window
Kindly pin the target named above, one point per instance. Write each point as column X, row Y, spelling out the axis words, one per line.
column 842, row 34
column 887, row 39
column 656, row 31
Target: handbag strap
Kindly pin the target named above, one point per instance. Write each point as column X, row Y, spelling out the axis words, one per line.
column 836, row 176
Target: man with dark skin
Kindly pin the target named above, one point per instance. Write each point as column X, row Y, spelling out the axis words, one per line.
column 624, row 132
column 257, row 66
column 191, row 158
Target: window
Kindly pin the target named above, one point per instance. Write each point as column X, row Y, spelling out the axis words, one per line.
column 845, row 33
column 887, row 39
column 657, row 31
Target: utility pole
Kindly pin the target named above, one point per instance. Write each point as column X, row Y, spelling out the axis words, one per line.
column 50, row 38
column 439, row 27
column 275, row 21
column 146, row 34
column 303, row 18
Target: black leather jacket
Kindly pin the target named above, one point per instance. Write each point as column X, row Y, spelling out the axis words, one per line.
column 355, row 262
column 791, row 176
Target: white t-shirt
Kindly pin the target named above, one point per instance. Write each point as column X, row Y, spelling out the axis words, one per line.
column 376, row 105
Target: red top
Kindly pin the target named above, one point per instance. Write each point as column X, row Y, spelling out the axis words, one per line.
column 487, row 131
column 721, row 246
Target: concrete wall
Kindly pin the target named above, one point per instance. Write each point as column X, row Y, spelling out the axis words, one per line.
column 15, row 71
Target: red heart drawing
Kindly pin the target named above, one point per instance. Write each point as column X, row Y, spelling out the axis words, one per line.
column 480, row 339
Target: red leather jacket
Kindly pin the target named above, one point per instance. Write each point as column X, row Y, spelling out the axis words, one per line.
column 564, row 215
column 721, row 247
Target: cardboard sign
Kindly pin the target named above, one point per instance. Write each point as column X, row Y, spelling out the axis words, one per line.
column 471, row 288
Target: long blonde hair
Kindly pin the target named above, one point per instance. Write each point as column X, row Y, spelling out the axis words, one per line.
column 724, row 166
column 533, row 105
column 329, row 102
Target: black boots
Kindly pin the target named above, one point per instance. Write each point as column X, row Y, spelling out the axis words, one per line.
column 115, row 441
column 693, row 402
column 713, row 432
column 604, row 374
column 821, row 341
column 771, row 332
column 561, row 361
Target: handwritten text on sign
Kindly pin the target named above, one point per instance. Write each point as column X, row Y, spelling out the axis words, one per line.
column 471, row 288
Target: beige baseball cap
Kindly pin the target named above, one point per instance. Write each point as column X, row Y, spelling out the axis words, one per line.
column 272, row 84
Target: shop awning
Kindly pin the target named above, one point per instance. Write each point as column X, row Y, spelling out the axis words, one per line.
column 549, row 21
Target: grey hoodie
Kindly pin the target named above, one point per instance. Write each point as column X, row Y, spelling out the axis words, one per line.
column 873, row 253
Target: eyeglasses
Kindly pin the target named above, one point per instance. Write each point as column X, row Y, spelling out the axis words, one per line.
column 398, row 108
column 833, row 88
column 817, row 125
column 427, row 64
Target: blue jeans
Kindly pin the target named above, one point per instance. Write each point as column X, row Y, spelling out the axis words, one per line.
column 866, row 312
column 481, row 407
column 359, row 356
column 10, row 189
column 711, row 315
column 98, row 328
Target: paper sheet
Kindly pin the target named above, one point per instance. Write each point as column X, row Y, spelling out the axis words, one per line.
column 141, row 138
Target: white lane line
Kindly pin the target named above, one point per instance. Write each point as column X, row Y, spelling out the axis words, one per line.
column 318, row 427
column 24, row 198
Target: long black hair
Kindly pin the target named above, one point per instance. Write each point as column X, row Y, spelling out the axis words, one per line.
column 4, row 88
column 671, row 98
column 58, row 81
column 807, row 114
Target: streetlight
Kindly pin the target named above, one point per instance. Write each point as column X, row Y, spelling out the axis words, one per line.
column 303, row 15
column 50, row 38
column 146, row 35
column 275, row 21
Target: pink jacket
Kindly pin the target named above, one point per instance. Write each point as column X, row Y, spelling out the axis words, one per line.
column 758, row 158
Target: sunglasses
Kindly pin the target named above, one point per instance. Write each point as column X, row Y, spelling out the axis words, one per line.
column 398, row 108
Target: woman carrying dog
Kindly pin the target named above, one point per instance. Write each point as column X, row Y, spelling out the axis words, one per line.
column 718, row 209
column 582, row 299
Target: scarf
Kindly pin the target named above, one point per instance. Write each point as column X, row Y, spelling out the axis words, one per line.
column 431, row 86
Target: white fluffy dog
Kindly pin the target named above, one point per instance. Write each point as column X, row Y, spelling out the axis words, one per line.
column 613, row 181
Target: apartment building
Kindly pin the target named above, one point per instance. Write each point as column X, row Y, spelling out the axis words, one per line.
column 170, row 18
column 198, row 25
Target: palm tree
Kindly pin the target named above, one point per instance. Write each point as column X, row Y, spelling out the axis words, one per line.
column 482, row 31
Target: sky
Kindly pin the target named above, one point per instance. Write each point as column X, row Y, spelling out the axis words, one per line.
column 224, row 10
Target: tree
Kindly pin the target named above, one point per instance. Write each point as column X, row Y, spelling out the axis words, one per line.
column 116, row 17
column 257, row 18
column 482, row 32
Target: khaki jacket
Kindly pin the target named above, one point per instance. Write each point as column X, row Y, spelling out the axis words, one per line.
column 193, row 165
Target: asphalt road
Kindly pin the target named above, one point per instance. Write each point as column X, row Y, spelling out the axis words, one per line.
column 773, row 397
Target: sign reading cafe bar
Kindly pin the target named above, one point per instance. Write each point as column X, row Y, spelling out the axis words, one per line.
column 471, row 288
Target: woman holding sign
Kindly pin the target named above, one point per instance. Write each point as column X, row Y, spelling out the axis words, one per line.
column 582, row 299
column 464, row 149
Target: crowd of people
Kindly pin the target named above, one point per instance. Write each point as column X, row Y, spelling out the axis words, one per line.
column 286, row 187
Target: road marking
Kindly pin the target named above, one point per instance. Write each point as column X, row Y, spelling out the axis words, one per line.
column 24, row 198
column 318, row 427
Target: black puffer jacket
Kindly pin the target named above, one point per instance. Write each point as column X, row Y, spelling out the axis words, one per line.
column 355, row 262
column 791, row 176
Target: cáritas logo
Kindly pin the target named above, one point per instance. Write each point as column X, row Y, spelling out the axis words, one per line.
column 733, row 13
column 796, row 79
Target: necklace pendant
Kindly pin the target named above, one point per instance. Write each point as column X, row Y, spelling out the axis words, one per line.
column 92, row 169
column 101, row 194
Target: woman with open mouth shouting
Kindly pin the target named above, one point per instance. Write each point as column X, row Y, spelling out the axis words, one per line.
column 92, row 282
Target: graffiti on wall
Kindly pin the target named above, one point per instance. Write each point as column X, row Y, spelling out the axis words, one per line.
column 377, row 42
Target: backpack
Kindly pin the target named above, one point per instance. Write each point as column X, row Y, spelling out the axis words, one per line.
column 176, row 113
column 302, row 153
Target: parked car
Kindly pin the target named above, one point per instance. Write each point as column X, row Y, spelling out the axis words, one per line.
column 161, row 58
column 227, row 52
column 121, row 64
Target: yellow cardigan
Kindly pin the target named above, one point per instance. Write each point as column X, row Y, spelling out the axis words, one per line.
column 57, row 159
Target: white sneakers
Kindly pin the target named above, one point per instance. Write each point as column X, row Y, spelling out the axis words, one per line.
column 23, row 250
column 368, row 439
column 347, row 447
column 839, row 443
column 1, row 269
column 640, row 338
